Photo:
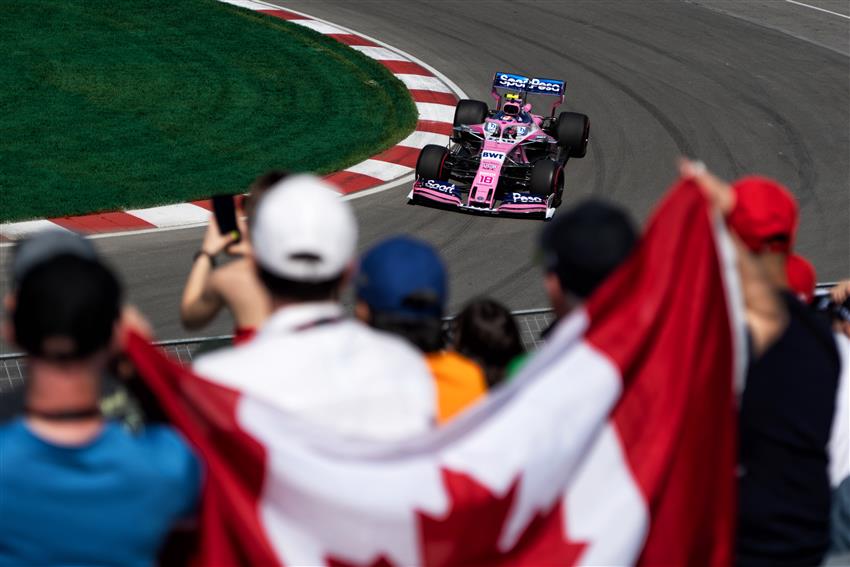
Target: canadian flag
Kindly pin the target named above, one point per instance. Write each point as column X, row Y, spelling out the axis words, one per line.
column 614, row 446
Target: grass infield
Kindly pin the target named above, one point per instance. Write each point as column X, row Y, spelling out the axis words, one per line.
column 114, row 105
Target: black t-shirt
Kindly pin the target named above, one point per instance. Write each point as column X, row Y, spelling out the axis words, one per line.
column 786, row 416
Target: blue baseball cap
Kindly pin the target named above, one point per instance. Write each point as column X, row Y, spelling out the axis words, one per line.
column 403, row 276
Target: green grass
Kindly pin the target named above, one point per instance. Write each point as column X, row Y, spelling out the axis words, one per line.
column 110, row 105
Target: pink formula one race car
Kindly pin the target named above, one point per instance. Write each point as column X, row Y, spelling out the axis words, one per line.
column 506, row 161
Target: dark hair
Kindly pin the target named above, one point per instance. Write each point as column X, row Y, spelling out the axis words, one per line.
column 258, row 188
column 295, row 290
column 486, row 332
column 583, row 245
column 425, row 333
column 66, row 308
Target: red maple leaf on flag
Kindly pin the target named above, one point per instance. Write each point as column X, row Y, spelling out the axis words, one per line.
column 469, row 533
column 381, row 561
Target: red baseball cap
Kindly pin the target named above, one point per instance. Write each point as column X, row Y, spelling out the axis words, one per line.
column 765, row 215
column 801, row 277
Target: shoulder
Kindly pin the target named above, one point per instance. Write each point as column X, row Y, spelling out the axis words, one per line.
column 178, row 470
column 162, row 439
column 453, row 360
column 806, row 325
column 450, row 365
column 234, row 271
column 171, row 452
column 220, row 363
column 10, row 429
column 394, row 349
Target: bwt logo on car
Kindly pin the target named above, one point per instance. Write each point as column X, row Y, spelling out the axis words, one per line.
column 493, row 155
column 523, row 198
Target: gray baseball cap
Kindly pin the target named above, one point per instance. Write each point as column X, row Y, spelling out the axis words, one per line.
column 46, row 245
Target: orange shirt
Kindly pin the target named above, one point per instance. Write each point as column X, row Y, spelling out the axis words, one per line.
column 460, row 382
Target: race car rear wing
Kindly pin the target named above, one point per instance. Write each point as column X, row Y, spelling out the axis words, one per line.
column 534, row 85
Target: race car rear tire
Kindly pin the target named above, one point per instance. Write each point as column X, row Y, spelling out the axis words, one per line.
column 547, row 178
column 432, row 163
column 573, row 131
column 470, row 112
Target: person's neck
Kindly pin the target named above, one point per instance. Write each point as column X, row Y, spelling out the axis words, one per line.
column 775, row 267
column 63, row 387
column 279, row 303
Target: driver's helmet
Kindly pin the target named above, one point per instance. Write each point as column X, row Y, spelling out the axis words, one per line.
column 512, row 105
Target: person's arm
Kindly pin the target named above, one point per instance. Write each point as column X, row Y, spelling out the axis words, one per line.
column 201, row 302
column 840, row 292
column 766, row 314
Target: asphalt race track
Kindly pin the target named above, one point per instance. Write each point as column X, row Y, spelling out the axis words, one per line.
column 754, row 86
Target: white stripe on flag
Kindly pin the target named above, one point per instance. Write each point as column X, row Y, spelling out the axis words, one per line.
column 589, row 402
column 604, row 488
column 423, row 83
column 435, row 112
column 366, row 506
column 328, row 497
column 383, row 170
column 734, row 298
column 318, row 26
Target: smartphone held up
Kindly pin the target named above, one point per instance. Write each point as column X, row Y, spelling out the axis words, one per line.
column 224, row 209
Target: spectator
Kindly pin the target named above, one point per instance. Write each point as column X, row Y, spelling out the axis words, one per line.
column 234, row 285
column 116, row 402
column 581, row 247
column 308, row 358
column 80, row 483
column 401, row 288
column 788, row 402
column 485, row 331
column 27, row 254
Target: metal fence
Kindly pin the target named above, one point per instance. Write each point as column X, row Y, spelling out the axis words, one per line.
column 531, row 323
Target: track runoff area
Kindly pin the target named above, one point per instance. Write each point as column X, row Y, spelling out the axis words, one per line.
column 124, row 124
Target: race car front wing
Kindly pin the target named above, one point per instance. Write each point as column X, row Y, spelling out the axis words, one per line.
column 444, row 194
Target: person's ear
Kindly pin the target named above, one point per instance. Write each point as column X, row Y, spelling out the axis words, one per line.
column 349, row 274
column 362, row 311
column 131, row 320
column 8, row 329
column 557, row 297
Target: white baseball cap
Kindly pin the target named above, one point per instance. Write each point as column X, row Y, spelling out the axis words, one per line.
column 303, row 230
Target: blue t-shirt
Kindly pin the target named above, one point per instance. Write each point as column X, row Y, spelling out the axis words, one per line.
column 111, row 501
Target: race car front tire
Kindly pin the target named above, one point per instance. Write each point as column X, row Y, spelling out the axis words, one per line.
column 432, row 163
column 470, row 112
column 573, row 131
column 547, row 178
